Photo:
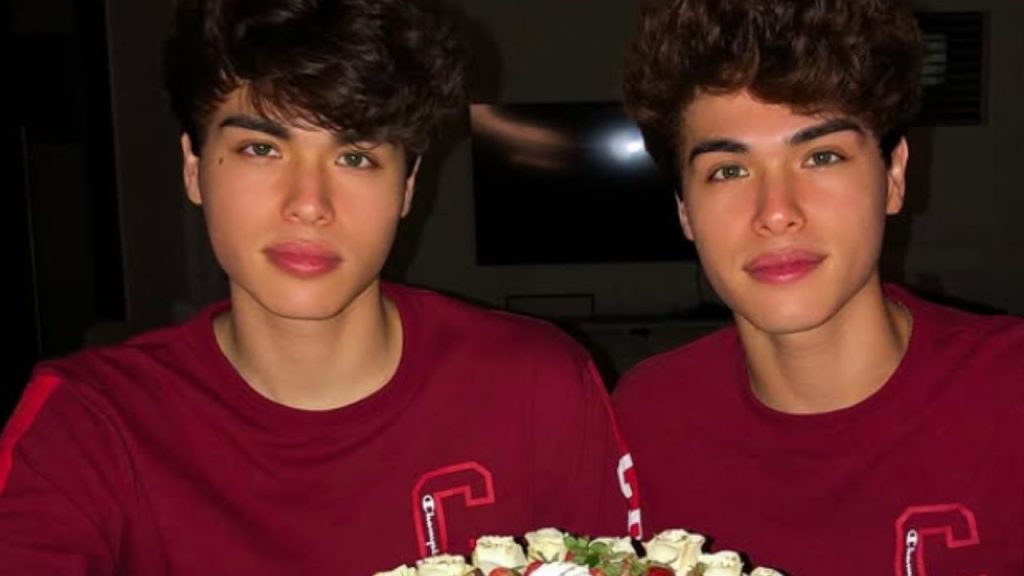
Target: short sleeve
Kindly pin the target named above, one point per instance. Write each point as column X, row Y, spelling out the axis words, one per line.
column 62, row 482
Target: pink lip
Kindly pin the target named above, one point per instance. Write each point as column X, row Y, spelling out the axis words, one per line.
column 302, row 259
column 783, row 267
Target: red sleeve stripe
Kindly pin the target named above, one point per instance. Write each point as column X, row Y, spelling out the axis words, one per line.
column 36, row 394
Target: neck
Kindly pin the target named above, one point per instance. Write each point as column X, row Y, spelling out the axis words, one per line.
column 834, row 365
column 313, row 364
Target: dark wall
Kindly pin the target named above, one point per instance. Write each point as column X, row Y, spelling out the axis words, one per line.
column 153, row 205
column 20, row 346
column 65, row 231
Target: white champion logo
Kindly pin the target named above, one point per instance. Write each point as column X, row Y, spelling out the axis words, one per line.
column 908, row 558
column 429, row 512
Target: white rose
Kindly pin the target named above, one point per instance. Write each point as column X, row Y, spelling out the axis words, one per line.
column 616, row 544
column 546, row 545
column 677, row 549
column 400, row 571
column 497, row 552
column 561, row 569
column 443, row 565
column 725, row 563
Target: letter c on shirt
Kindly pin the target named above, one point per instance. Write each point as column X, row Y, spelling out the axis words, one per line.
column 955, row 523
column 628, row 484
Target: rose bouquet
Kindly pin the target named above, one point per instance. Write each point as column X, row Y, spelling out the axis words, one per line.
column 550, row 552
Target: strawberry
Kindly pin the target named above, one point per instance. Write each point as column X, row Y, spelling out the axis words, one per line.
column 532, row 567
column 660, row 571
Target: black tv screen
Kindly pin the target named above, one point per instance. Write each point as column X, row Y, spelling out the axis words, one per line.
column 559, row 183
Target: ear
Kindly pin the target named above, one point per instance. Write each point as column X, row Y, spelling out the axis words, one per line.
column 896, row 178
column 684, row 216
column 410, row 186
column 190, row 170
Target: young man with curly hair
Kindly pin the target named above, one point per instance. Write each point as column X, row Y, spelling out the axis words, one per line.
column 842, row 426
column 318, row 421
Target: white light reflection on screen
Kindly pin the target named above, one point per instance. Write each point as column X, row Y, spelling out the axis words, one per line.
column 625, row 144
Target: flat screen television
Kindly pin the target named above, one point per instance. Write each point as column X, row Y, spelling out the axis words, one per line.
column 559, row 183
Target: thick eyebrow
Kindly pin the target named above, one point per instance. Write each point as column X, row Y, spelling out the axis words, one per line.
column 258, row 124
column 275, row 129
column 800, row 137
column 824, row 129
column 717, row 145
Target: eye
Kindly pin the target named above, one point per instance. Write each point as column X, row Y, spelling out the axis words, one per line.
column 730, row 172
column 355, row 160
column 260, row 150
column 823, row 158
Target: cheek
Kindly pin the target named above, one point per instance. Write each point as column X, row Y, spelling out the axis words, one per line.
column 371, row 213
column 717, row 223
column 380, row 203
column 232, row 208
column 226, row 240
column 239, row 187
column 720, row 243
column 858, row 205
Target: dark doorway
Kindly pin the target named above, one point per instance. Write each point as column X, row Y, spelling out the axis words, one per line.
column 65, row 272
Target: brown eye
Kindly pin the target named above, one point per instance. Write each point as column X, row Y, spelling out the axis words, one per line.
column 730, row 172
column 260, row 150
column 355, row 160
column 823, row 158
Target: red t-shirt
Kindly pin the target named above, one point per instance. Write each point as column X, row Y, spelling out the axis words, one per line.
column 155, row 457
column 925, row 477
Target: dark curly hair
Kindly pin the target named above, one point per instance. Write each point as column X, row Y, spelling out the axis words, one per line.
column 379, row 70
column 860, row 58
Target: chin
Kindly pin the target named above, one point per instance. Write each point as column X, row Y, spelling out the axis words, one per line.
column 306, row 305
column 779, row 309
column 320, row 313
column 309, row 300
column 303, row 311
column 780, row 321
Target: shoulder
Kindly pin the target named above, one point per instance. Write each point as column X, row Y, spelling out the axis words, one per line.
column 958, row 334
column 440, row 319
column 142, row 360
column 975, row 358
column 680, row 371
column 466, row 347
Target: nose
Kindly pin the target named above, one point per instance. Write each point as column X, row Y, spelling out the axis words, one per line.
column 308, row 199
column 778, row 209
